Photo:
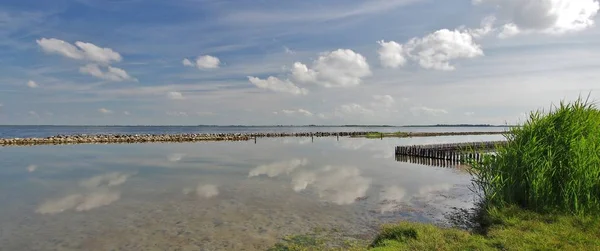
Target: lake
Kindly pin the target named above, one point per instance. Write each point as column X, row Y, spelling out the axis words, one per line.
column 217, row 195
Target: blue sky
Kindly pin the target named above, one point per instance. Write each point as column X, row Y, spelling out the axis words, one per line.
column 166, row 62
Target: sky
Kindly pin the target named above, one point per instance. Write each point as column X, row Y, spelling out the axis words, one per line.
column 272, row 62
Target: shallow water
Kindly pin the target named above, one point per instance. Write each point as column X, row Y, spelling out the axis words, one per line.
column 217, row 195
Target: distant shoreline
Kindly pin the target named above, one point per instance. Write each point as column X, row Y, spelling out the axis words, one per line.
column 261, row 126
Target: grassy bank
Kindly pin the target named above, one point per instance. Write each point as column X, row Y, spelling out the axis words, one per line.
column 540, row 192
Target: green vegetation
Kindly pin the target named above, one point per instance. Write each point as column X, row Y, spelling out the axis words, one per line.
column 540, row 192
column 550, row 165
column 510, row 228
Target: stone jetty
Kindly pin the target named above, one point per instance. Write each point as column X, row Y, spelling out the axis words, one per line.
column 147, row 138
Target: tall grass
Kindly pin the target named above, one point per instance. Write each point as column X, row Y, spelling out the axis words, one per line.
column 550, row 164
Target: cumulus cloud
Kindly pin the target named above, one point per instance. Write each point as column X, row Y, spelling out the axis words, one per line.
column 544, row 16
column 353, row 109
column 105, row 111
column 175, row 95
column 299, row 111
column 126, row 113
column 187, row 62
column 33, row 114
column 417, row 110
column 277, row 85
column 339, row 68
column 82, row 50
column 112, row 74
column 469, row 114
column 383, row 100
column 32, row 84
column 203, row 62
column 277, row 168
column 391, row 54
column 433, row 51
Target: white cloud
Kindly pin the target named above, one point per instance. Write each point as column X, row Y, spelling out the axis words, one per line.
column 86, row 51
column 105, row 111
column 207, row 62
column 469, row 114
column 187, row 62
column 427, row 111
column 126, row 113
column 383, row 100
column 288, row 50
column 299, row 111
column 32, row 84
column 34, row 114
column 434, row 51
column 509, row 30
column 112, row 73
column 277, row 168
column 391, row 54
column 177, row 114
column 175, row 95
column 339, row 68
column 544, row 16
column 277, row 85
column 353, row 109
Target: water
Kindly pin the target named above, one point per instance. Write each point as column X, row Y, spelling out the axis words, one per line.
column 46, row 131
column 216, row 195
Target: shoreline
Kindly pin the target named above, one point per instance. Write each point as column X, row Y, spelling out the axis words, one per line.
column 200, row 137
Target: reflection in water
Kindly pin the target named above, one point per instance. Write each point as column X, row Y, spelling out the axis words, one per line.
column 236, row 195
column 98, row 195
column 337, row 184
column 277, row 168
column 31, row 168
column 174, row 157
column 109, row 180
column 390, row 198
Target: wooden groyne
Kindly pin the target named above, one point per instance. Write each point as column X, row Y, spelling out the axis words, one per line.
column 148, row 138
column 381, row 135
column 457, row 152
column 428, row 161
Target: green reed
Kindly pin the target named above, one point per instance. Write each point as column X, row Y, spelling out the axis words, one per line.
column 550, row 164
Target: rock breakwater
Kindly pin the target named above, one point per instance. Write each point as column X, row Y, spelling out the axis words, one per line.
column 147, row 138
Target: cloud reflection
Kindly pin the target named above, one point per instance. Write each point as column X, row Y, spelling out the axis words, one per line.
column 31, row 168
column 205, row 191
column 391, row 198
column 109, row 179
column 175, row 157
column 336, row 184
column 98, row 195
column 277, row 168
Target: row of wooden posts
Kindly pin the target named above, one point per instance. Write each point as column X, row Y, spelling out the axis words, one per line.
column 458, row 152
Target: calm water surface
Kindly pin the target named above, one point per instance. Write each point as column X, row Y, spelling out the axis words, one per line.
column 217, row 195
